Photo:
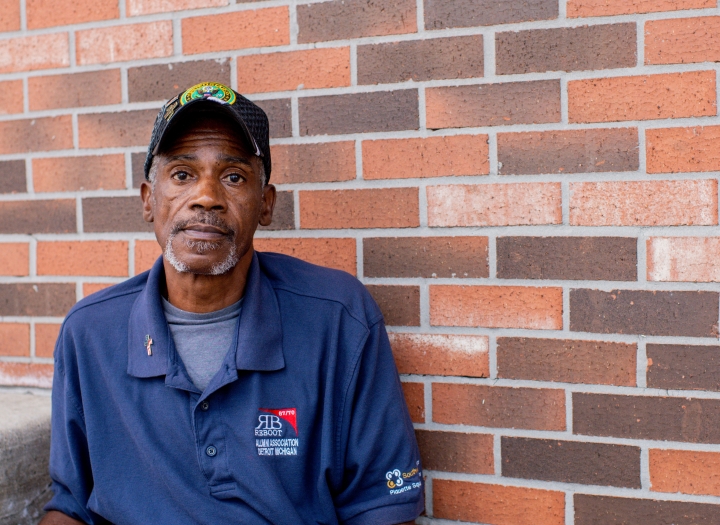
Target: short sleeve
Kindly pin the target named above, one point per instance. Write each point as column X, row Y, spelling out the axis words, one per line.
column 70, row 469
column 382, row 476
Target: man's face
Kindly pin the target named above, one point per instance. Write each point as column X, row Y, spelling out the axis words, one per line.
column 208, row 196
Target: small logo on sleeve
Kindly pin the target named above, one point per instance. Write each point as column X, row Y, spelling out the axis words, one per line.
column 276, row 432
column 399, row 482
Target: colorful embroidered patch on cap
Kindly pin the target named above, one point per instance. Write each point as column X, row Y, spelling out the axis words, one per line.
column 212, row 90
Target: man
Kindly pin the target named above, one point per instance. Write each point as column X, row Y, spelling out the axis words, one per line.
column 226, row 386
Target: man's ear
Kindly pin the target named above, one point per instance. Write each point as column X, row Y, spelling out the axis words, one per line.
column 268, row 205
column 146, row 195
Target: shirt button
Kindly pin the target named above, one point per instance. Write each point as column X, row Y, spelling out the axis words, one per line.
column 204, row 406
column 211, row 451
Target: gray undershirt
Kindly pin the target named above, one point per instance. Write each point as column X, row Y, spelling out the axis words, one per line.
column 202, row 340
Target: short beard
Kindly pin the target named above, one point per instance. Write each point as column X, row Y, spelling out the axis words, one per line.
column 201, row 247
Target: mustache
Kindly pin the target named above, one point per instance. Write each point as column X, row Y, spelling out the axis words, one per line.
column 203, row 217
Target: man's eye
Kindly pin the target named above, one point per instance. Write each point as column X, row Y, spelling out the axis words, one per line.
column 234, row 178
column 180, row 175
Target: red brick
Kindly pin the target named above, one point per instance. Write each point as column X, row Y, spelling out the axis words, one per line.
column 682, row 40
column 95, row 88
column 583, row 8
column 496, row 307
column 494, row 204
column 107, row 130
column 428, row 157
column 369, row 208
column 45, row 337
column 567, row 361
column 12, row 100
column 436, row 58
column 28, row 53
column 441, row 355
column 355, row 18
column 146, row 253
column 310, row 69
column 106, row 258
column 644, row 203
column 26, row 374
column 456, row 451
column 79, row 173
column 692, row 259
column 685, row 471
column 333, row 253
column 497, row 504
column 670, row 95
column 14, row 258
column 91, row 288
column 415, row 400
column 324, row 162
column 39, row 134
column 145, row 7
column 498, row 407
column 47, row 13
column 10, row 20
column 530, row 102
column 127, row 42
column 238, row 30
column 14, row 339
column 676, row 150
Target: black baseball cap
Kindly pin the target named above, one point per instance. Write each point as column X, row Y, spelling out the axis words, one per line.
column 252, row 119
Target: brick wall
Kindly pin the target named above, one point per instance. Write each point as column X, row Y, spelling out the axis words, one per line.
column 529, row 188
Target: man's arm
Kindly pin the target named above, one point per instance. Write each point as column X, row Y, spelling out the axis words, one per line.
column 58, row 518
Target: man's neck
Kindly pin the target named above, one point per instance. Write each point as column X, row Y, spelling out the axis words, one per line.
column 206, row 293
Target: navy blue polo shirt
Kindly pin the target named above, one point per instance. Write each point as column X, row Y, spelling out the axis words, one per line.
column 305, row 422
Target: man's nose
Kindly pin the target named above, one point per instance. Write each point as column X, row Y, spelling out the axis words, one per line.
column 208, row 194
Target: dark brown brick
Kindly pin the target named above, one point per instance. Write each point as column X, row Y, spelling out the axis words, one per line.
column 415, row 400
column 117, row 129
column 283, row 214
column 323, row 162
column 568, row 151
column 341, row 19
column 591, row 258
column 359, row 113
column 47, row 216
column 456, row 451
column 499, row 407
column 567, row 361
column 36, row 134
column 163, row 81
column 645, row 417
column 400, row 305
column 566, row 49
column 683, row 367
column 459, row 57
column 114, row 214
column 76, row 90
column 503, row 104
column 425, row 257
column 12, row 175
column 441, row 14
column 607, row 510
column 279, row 113
column 571, row 462
column 42, row 299
column 138, row 168
column 644, row 312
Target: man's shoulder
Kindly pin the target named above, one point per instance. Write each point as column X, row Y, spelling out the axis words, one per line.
column 318, row 282
column 113, row 299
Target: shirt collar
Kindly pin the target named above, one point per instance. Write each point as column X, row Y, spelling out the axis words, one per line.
column 259, row 340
